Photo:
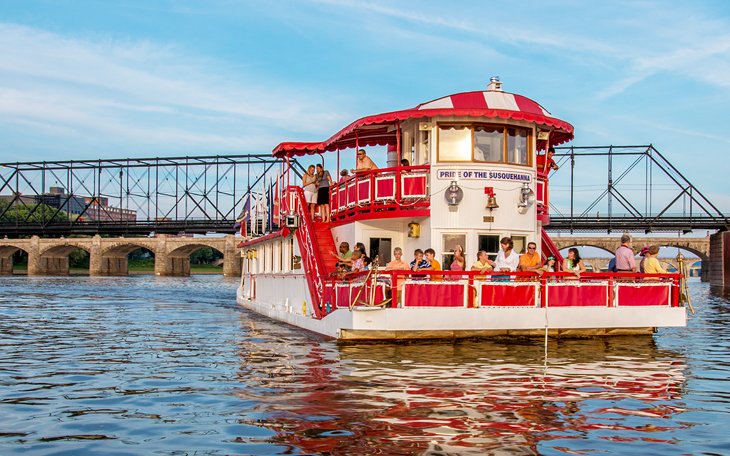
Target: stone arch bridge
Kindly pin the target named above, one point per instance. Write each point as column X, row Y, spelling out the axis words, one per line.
column 108, row 256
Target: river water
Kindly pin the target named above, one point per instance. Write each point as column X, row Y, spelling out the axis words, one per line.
column 148, row 365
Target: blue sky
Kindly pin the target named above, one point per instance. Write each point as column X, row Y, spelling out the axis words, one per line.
column 90, row 79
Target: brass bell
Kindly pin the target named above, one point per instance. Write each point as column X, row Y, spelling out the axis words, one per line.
column 492, row 202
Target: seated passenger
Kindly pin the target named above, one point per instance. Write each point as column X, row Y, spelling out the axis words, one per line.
column 651, row 264
column 530, row 261
column 345, row 255
column 435, row 265
column 405, row 162
column 358, row 261
column 482, row 264
column 574, row 263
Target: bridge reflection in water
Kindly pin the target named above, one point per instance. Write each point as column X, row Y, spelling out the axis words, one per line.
column 470, row 398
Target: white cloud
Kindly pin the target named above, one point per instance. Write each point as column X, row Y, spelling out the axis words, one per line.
column 116, row 91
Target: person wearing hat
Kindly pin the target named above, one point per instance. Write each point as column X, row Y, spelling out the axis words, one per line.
column 642, row 254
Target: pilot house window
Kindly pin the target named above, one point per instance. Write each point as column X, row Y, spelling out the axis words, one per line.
column 484, row 143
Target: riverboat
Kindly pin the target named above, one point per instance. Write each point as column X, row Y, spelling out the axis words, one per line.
column 471, row 178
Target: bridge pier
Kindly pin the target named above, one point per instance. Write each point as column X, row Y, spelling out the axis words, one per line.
column 6, row 265
column 719, row 270
column 232, row 261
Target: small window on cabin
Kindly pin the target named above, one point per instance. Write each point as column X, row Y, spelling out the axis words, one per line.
column 519, row 244
column 517, row 146
column 489, row 144
column 454, row 143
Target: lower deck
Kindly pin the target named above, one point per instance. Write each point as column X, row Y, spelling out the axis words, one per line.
column 480, row 308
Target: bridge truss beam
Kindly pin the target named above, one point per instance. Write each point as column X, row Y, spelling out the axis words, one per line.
column 132, row 195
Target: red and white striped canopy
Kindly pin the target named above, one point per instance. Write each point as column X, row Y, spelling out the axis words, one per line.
column 381, row 129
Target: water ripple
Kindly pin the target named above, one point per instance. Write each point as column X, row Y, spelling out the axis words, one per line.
column 173, row 366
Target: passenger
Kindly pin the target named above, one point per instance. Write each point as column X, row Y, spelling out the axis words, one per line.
column 642, row 254
column 398, row 263
column 625, row 261
column 309, row 184
column 546, row 162
column 419, row 264
column 344, row 175
column 459, row 263
column 363, row 163
column 405, row 162
column 435, row 265
column 324, row 180
column 367, row 261
column 507, row 258
column 530, row 261
column 358, row 261
column 361, row 247
column 549, row 265
column 574, row 263
column 482, row 264
column 652, row 265
column 345, row 255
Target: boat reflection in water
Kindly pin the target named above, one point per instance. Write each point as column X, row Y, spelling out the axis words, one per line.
column 468, row 398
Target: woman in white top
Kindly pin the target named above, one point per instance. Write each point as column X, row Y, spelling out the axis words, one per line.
column 309, row 184
column 574, row 263
column 507, row 258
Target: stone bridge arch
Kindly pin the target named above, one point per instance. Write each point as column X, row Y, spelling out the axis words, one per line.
column 113, row 256
column 52, row 258
column 8, row 248
column 176, row 260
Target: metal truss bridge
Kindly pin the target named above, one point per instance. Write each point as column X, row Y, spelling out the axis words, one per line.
column 633, row 188
column 132, row 196
column 626, row 188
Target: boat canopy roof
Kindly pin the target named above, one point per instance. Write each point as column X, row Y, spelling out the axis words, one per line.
column 381, row 129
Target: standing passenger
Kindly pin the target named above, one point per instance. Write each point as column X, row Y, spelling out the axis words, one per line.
column 530, row 261
column 435, row 265
column 363, row 163
column 309, row 184
column 507, row 258
column 625, row 261
column 324, row 180
column 652, row 265
column 574, row 263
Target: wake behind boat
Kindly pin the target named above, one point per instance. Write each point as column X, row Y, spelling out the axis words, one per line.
column 463, row 170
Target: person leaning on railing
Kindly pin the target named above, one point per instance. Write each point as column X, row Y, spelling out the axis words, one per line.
column 363, row 163
column 482, row 264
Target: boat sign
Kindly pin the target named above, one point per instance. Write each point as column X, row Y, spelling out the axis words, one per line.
column 452, row 174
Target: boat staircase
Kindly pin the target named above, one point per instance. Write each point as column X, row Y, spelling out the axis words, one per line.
column 549, row 248
column 315, row 244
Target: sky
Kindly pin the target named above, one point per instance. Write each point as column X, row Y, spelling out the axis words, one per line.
column 88, row 79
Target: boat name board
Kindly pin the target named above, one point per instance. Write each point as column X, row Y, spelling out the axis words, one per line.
column 451, row 174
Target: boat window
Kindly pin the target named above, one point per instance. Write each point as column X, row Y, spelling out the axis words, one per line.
column 380, row 248
column 454, row 143
column 490, row 244
column 520, row 244
column 489, row 144
column 449, row 243
column 517, row 146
